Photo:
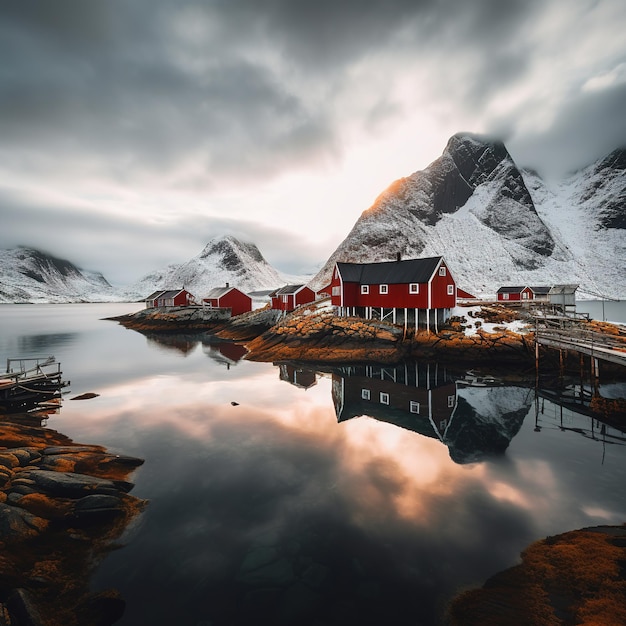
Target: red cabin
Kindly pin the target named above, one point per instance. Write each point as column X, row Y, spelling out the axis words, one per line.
column 172, row 297
column 230, row 298
column 418, row 292
column 290, row 297
column 514, row 294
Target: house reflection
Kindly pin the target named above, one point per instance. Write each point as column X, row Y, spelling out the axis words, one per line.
column 433, row 401
column 225, row 352
column 178, row 342
column 298, row 376
column 417, row 396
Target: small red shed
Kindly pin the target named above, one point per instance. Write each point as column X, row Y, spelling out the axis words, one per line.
column 290, row 297
column 514, row 294
column 229, row 297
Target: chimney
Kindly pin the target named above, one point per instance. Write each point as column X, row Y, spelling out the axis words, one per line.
column 398, row 257
column 227, row 285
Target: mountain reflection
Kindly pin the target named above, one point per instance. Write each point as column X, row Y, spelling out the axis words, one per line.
column 222, row 351
column 426, row 398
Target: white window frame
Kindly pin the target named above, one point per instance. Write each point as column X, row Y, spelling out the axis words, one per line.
column 450, row 290
column 414, row 407
column 336, row 290
column 285, row 297
column 383, row 289
column 451, row 401
column 365, row 394
column 524, row 295
column 414, row 287
column 505, row 296
column 442, row 271
column 365, row 289
column 384, row 398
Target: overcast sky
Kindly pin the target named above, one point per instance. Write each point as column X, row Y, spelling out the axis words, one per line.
column 134, row 131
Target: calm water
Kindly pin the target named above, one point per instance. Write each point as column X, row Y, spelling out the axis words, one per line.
column 350, row 496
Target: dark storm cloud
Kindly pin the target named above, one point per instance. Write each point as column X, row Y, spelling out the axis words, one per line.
column 588, row 128
column 200, row 97
column 138, row 87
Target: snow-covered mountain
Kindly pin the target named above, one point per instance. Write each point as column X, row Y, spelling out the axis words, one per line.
column 28, row 275
column 223, row 260
column 497, row 225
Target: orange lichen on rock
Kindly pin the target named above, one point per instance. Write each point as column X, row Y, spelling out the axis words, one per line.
column 45, row 506
column 574, row 578
column 57, row 528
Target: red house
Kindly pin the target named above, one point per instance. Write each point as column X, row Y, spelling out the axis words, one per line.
column 290, row 297
column 229, row 297
column 514, row 294
column 419, row 292
column 171, row 297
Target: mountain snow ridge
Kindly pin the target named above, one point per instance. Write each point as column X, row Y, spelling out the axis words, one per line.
column 494, row 223
column 28, row 275
column 223, row 260
column 498, row 225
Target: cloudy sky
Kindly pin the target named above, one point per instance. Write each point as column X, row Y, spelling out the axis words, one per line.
column 134, row 131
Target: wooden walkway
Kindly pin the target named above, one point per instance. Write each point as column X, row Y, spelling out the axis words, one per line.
column 596, row 345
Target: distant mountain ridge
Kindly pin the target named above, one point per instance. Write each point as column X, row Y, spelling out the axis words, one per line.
column 28, row 275
column 223, row 260
column 496, row 224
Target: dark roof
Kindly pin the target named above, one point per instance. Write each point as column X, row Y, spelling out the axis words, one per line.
column 541, row 290
column 170, row 294
column 153, row 296
column 217, row 292
column 511, row 289
column 390, row 272
column 287, row 289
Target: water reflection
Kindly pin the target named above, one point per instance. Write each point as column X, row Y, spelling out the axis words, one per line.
column 43, row 344
column 296, row 375
column 222, row 351
column 433, row 401
column 276, row 511
column 475, row 416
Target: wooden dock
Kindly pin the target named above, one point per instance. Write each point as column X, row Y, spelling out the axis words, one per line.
column 590, row 343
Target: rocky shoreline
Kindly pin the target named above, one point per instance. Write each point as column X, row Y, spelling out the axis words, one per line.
column 573, row 578
column 62, row 507
column 320, row 336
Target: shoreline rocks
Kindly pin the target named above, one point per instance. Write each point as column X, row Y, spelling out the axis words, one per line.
column 62, row 507
column 572, row 578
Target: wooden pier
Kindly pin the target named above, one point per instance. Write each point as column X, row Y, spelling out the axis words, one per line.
column 570, row 334
column 590, row 343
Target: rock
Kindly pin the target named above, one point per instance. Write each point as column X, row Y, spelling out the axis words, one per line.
column 97, row 508
column 17, row 524
column 102, row 609
column 72, row 449
column 71, row 485
column 21, row 604
column 8, row 459
column 86, row 396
